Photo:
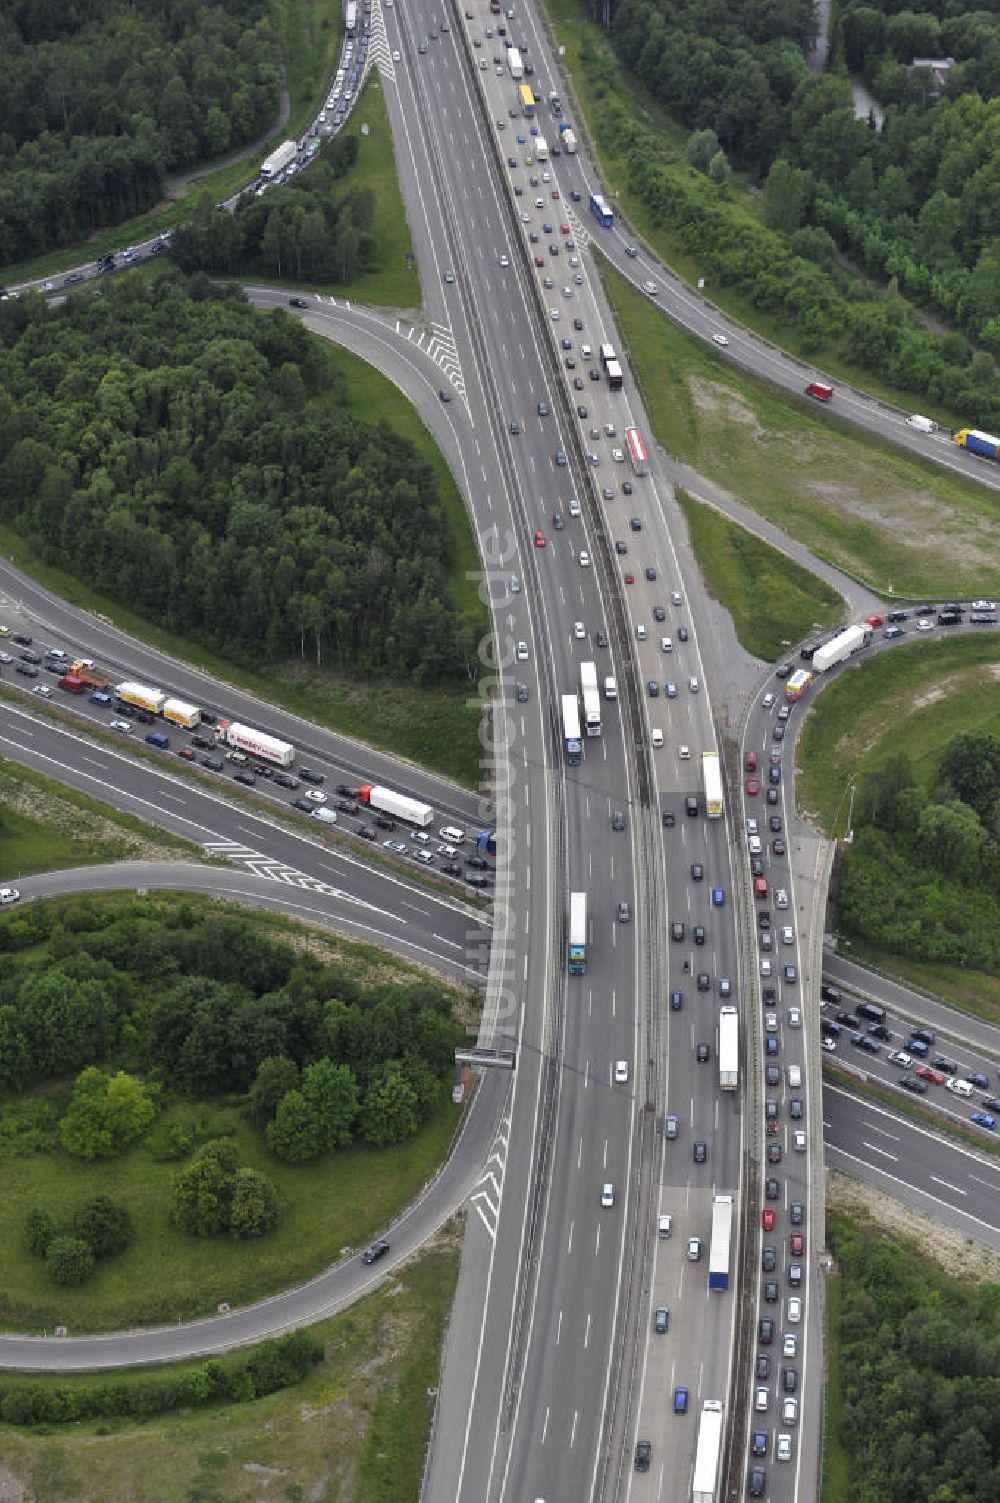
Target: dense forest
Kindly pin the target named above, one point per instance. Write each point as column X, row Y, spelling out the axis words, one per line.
column 186, row 454
column 922, row 877
column 203, row 1006
column 306, row 229
column 919, row 1372
column 101, row 99
column 915, row 205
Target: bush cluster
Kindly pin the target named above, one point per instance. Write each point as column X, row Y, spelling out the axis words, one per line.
column 100, row 1229
column 267, row 1368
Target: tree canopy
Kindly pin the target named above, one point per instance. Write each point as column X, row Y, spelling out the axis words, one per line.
column 187, row 455
column 100, row 99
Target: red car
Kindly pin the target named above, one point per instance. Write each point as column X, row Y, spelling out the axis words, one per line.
column 555, row 192
column 798, row 1244
column 539, row 540
column 630, row 579
column 186, row 753
column 539, row 260
column 751, row 762
column 934, row 1076
column 752, row 786
column 876, row 620
column 564, row 229
column 767, row 1218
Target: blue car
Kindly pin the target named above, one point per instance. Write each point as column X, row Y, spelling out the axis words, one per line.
column 980, row 1080
column 718, row 897
column 676, row 1000
column 521, row 138
column 983, row 1119
column 771, row 1044
column 680, row 1401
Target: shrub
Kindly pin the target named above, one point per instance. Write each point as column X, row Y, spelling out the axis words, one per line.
column 69, row 1261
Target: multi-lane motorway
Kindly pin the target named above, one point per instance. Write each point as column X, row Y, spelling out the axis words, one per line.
column 552, row 1369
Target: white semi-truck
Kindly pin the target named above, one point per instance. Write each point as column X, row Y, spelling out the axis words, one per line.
column 243, row 738
column 729, row 1048
column 591, row 699
column 707, row 1457
column 541, row 149
column 278, row 160
column 840, row 647
column 722, row 1230
column 399, row 805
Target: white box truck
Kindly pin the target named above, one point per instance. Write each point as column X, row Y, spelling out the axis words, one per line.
column 729, row 1049
column 840, row 647
column 541, row 149
column 706, row 1461
column 514, row 63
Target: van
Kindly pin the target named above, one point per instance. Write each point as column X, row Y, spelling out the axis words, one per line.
column 870, row 1010
column 664, row 1224
column 793, row 1074
column 760, row 887
column 921, row 424
column 452, row 834
column 158, row 739
column 610, row 688
column 820, row 391
column 657, row 738
column 325, row 816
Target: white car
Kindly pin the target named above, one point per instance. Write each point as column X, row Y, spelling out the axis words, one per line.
column 9, row 895
column 787, row 934
column 618, row 456
column 579, row 630
column 693, row 684
column 396, row 58
column 761, row 1400
column 984, row 605
column 752, row 826
column 685, row 753
column 783, row 1450
column 584, row 560
column 780, row 897
column 694, row 1249
column 924, row 624
column 315, row 796
column 789, row 1344
column 828, row 1044
column 420, row 836
column 650, row 287
column 522, row 652
column 721, row 340
column 770, row 1022
column 553, row 313
column 900, row 1057
column 121, row 725
column 768, row 700
column 43, row 690
column 504, row 260
column 753, row 845
column 621, row 1072
column 794, row 1309
column 799, row 1141
column 790, row 1412
column 607, row 1195
column 795, row 1017
column 765, row 966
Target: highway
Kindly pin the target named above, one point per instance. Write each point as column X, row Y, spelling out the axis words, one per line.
column 552, row 1370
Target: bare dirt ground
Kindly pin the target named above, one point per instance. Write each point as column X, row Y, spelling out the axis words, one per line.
column 962, row 1259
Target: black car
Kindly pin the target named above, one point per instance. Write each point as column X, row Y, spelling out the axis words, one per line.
column 246, row 778
column 643, row 1453
column 911, row 1083
column 452, row 869
column 21, row 638
column 375, row 1250
column 699, row 934
column 756, row 1482
column 701, row 1054
column 668, row 819
column 765, row 1331
column 203, row 742
column 284, row 780
column 27, row 670
column 476, row 862
column 768, row 1259
column 659, row 614
column 700, row 1152
column 214, row 764
column 762, row 1367
column 303, row 804
column 796, row 1213
column 384, row 822
column 262, row 770
column 770, row 1293
column 347, row 806
column 772, row 1190
column 30, row 657
column 55, row 667
column 311, row 777
column 345, row 790
column 602, row 639
column 367, row 834
column 297, row 302
column 848, row 1019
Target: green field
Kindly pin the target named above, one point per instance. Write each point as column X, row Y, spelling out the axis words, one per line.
column 354, row 1431
column 868, row 509
column 337, row 1201
column 835, row 1479
column 773, row 601
column 45, row 826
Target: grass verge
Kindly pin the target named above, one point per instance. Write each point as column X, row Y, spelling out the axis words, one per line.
column 973, row 992
column 46, row 826
column 860, row 505
column 773, row 601
column 354, row 1430
column 835, row 1478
